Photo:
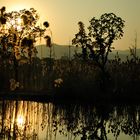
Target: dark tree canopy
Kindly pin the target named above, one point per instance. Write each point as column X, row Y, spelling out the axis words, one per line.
column 102, row 33
column 108, row 27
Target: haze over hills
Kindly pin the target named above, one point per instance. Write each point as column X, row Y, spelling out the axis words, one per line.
column 58, row 51
column 67, row 51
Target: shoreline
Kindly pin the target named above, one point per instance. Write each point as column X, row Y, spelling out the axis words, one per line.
column 48, row 97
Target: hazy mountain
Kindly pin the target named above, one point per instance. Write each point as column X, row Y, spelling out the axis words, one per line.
column 123, row 54
column 59, row 51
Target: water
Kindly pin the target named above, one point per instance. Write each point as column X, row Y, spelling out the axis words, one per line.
column 28, row 120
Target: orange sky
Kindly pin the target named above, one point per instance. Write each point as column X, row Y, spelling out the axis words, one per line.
column 63, row 16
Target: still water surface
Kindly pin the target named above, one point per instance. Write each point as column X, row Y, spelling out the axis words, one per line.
column 28, row 120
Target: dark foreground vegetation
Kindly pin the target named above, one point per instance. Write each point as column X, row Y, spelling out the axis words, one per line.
column 75, row 78
column 88, row 75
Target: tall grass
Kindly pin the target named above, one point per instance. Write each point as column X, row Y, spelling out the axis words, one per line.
column 78, row 78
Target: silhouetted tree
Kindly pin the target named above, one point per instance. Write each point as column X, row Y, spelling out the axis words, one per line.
column 103, row 32
column 81, row 40
column 18, row 35
column 97, row 44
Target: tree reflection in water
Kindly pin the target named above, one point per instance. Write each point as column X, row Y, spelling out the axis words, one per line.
column 35, row 120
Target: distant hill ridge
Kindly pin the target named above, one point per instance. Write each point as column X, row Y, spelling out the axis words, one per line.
column 59, row 51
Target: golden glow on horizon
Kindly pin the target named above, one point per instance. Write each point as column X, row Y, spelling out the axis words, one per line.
column 17, row 7
column 64, row 15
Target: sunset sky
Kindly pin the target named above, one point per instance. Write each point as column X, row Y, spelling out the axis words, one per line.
column 63, row 16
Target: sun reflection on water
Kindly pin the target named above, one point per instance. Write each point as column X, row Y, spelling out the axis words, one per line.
column 20, row 121
column 35, row 120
